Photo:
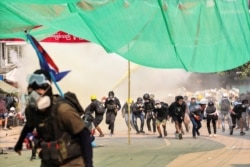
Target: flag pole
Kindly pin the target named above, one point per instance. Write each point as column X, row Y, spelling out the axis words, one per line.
column 129, row 103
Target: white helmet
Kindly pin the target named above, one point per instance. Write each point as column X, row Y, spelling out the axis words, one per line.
column 12, row 108
column 203, row 101
column 224, row 95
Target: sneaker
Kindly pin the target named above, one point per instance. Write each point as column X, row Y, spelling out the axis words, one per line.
column 180, row 136
column 101, row 135
column 159, row 136
column 165, row 133
column 214, row 135
column 242, row 133
column 5, row 129
column 142, row 131
column 137, row 133
column 194, row 137
column 210, row 135
column 32, row 157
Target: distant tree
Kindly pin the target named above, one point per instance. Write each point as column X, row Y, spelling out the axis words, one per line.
column 241, row 72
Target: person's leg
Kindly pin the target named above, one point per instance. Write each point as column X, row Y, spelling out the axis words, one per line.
column 198, row 127
column 208, row 126
column 126, row 119
column 158, row 123
column 244, row 120
column 214, row 126
column 135, row 124
column 148, row 119
column 241, row 126
column 5, row 123
column 223, row 121
column 112, row 123
column 219, row 120
column 154, row 124
column 248, row 119
column 233, row 117
column 229, row 119
column 194, row 126
column 141, row 117
column 164, row 127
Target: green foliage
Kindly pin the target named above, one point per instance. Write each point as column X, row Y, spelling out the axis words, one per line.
column 241, row 72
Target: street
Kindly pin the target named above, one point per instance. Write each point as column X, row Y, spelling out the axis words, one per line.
column 148, row 150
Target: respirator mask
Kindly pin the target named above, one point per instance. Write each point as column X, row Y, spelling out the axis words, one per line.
column 36, row 100
column 39, row 101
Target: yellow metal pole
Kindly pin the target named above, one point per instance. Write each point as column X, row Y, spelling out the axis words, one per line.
column 128, row 101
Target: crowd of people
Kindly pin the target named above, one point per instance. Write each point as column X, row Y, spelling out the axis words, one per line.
column 64, row 137
column 183, row 112
column 8, row 115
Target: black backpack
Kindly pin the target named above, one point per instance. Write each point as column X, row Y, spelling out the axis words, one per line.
column 100, row 108
column 71, row 98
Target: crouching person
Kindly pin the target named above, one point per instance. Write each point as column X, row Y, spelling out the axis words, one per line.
column 64, row 139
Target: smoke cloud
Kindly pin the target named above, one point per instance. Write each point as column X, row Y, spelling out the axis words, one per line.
column 93, row 71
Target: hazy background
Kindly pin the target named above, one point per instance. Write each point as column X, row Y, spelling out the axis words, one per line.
column 93, row 71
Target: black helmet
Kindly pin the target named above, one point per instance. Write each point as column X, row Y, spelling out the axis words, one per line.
column 139, row 99
column 111, row 94
column 210, row 103
column 146, row 96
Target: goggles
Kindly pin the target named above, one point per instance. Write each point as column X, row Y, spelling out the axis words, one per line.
column 39, row 79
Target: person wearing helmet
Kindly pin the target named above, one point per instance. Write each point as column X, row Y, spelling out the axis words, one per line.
column 161, row 115
column 149, row 113
column 225, row 108
column 127, row 114
column 138, row 110
column 98, row 108
column 211, row 115
column 196, row 117
column 236, row 114
column 112, row 104
column 177, row 112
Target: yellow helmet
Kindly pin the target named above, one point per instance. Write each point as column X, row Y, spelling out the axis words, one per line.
column 130, row 100
column 199, row 97
column 93, row 97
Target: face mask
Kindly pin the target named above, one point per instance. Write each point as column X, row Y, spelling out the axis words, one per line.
column 36, row 100
column 43, row 102
column 157, row 105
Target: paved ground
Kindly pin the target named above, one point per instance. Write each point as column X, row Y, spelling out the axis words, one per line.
column 147, row 150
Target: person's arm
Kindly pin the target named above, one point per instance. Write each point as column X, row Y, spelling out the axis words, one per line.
column 86, row 147
column 19, row 144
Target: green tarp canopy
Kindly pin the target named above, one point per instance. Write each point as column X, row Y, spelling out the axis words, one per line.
column 196, row 35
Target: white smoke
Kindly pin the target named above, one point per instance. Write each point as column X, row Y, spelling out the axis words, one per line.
column 93, row 71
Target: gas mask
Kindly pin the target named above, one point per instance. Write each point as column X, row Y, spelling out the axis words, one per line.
column 39, row 101
column 158, row 105
column 139, row 105
column 245, row 105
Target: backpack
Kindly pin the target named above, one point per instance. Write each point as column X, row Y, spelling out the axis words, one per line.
column 225, row 105
column 100, row 108
column 71, row 99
